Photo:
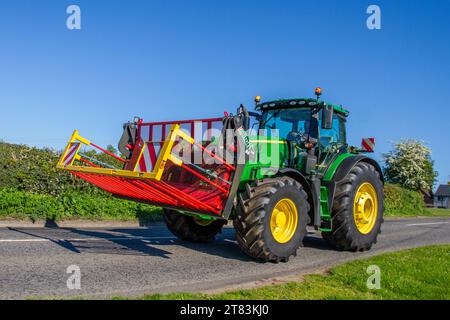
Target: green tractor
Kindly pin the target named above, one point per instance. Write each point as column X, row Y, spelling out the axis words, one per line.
column 309, row 176
column 323, row 183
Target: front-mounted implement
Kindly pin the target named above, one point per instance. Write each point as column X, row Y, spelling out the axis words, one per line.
column 293, row 169
column 153, row 174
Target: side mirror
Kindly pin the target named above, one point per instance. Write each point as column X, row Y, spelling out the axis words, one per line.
column 327, row 117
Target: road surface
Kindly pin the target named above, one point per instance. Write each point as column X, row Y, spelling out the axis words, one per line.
column 135, row 261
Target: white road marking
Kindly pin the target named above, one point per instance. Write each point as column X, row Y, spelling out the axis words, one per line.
column 425, row 224
column 24, row 240
column 85, row 239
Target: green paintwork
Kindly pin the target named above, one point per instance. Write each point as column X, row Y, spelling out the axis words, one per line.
column 325, row 211
column 260, row 167
column 336, row 163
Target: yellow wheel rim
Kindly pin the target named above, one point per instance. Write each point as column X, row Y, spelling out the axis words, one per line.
column 365, row 208
column 202, row 222
column 283, row 221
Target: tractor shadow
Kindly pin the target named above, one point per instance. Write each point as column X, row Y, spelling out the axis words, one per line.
column 315, row 241
column 108, row 241
column 145, row 241
column 152, row 244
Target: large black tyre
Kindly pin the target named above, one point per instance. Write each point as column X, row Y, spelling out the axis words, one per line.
column 254, row 214
column 345, row 234
column 188, row 228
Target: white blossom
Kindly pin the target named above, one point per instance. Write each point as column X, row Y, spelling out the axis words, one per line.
column 409, row 165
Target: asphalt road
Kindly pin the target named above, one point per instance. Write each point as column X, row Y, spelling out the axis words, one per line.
column 134, row 261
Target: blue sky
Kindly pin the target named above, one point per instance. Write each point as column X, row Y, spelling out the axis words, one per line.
column 171, row 59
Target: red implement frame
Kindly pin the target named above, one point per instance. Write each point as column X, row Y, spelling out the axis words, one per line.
column 154, row 174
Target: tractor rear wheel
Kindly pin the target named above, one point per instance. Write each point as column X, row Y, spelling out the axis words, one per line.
column 190, row 228
column 357, row 212
column 271, row 219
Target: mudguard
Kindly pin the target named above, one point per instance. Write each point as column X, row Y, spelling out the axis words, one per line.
column 343, row 170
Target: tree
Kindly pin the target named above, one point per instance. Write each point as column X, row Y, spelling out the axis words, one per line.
column 410, row 165
column 111, row 149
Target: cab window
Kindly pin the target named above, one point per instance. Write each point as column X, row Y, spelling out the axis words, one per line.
column 334, row 135
column 286, row 121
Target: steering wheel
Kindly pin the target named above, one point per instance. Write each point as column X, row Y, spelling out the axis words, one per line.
column 299, row 138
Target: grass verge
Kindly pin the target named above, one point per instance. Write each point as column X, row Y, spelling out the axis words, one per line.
column 420, row 273
column 437, row 212
column 426, row 212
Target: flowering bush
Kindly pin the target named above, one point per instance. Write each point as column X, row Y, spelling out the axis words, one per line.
column 409, row 164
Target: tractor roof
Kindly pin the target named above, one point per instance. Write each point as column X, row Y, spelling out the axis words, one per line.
column 299, row 102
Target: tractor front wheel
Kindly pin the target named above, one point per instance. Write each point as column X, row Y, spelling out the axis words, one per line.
column 190, row 228
column 271, row 219
column 357, row 212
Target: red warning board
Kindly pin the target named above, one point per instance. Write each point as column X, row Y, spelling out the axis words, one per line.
column 368, row 144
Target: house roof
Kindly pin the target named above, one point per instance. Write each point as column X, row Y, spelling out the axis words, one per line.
column 443, row 191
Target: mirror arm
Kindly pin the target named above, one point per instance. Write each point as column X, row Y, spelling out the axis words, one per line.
column 255, row 114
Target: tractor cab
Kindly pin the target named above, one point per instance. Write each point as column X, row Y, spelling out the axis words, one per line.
column 313, row 129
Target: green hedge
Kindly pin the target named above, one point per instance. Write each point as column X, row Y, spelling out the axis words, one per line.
column 73, row 204
column 32, row 169
column 30, row 186
column 399, row 201
column 28, row 205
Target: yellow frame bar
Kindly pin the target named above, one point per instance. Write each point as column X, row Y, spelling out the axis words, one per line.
column 158, row 170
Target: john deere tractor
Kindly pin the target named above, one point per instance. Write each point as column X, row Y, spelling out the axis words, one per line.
column 295, row 170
